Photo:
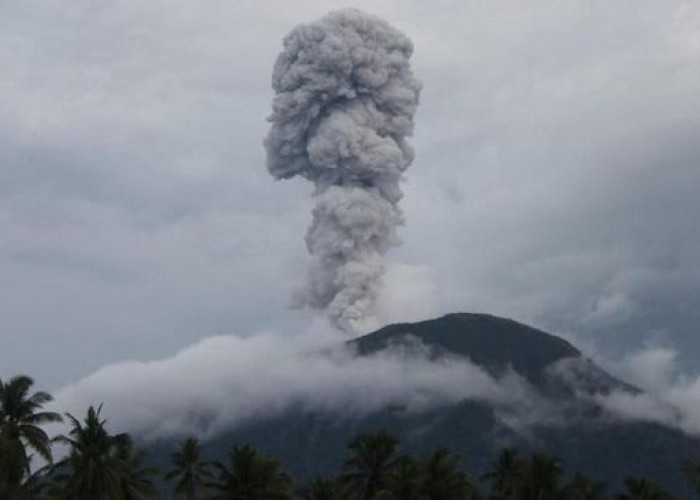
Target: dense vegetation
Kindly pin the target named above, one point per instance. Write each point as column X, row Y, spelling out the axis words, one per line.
column 99, row 465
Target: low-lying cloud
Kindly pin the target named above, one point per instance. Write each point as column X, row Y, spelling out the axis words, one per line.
column 225, row 380
column 669, row 397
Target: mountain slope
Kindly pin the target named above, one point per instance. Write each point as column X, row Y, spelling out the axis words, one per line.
column 489, row 341
column 498, row 345
column 578, row 431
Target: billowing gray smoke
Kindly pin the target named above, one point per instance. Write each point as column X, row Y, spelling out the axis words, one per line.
column 344, row 104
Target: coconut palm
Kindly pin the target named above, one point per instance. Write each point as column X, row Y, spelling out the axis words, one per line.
column 404, row 483
column 251, row 476
column 368, row 468
column 92, row 470
column 47, row 485
column 136, row 480
column 14, row 465
column 20, row 421
column 541, row 478
column 443, row 479
column 192, row 473
column 505, row 474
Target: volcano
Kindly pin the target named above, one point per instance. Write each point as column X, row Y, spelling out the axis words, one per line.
column 568, row 423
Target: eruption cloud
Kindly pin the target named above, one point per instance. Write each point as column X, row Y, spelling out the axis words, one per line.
column 344, row 103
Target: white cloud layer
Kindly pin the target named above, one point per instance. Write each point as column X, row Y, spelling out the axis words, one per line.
column 223, row 381
column 669, row 397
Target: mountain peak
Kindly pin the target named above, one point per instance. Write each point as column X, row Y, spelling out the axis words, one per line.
column 312, row 442
column 491, row 342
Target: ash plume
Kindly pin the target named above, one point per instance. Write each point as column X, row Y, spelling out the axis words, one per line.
column 344, row 103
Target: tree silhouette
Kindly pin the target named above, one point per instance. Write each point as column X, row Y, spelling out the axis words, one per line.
column 541, row 478
column 404, row 483
column 368, row 468
column 251, row 476
column 136, row 480
column 505, row 474
column 20, row 421
column 192, row 473
column 443, row 479
column 93, row 469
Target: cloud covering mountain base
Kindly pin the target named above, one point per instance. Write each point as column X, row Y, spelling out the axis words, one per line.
column 223, row 381
column 226, row 381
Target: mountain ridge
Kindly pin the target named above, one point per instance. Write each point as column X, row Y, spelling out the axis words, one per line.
column 312, row 443
column 497, row 345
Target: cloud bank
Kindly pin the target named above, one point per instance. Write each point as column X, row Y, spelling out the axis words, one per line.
column 226, row 380
column 670, row 397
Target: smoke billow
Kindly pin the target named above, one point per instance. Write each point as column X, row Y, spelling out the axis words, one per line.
column 344, row 104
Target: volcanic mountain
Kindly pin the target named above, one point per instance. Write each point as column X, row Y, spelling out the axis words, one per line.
column 564, row 419
column 497, row 344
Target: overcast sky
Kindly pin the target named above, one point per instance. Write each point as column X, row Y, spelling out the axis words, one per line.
column 555, row 179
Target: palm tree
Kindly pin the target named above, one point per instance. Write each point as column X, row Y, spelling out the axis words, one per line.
column 404, row 483
column 92, row 470
column 20, row 419
column 192, row 472
column 443, row 479
column 370, row 464
column 506, row 474
column 541, row 478
column 691, row 468
column 251, row 476
column 14, row 464
column 46, row 485
column 136, row 480
column 643, row 489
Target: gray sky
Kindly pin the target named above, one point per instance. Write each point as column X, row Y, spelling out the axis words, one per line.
column 555, row 176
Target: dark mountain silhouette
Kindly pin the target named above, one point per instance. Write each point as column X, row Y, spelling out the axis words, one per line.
column 581, row 434
column 496, row 344
column 489, row 341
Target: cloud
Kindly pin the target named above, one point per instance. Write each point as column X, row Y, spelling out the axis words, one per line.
column 223, row 381
column 554, row 177
column 669, row 397
column 567, row 177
